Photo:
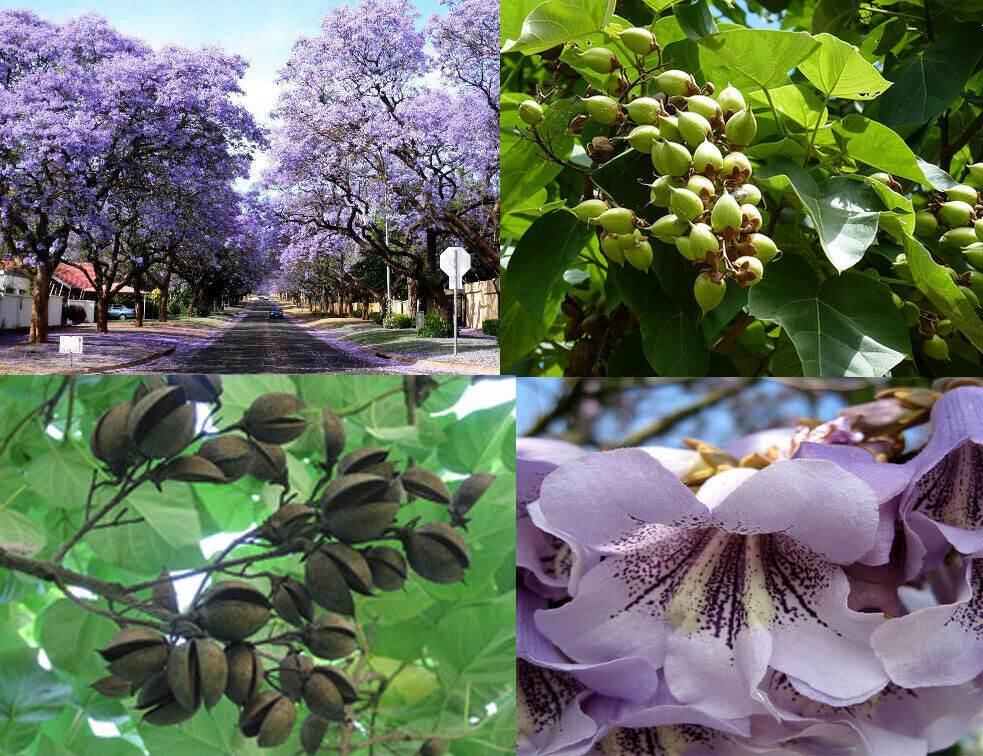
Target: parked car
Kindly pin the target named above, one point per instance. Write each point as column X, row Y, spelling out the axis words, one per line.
column 276, row 312
column 121, row 312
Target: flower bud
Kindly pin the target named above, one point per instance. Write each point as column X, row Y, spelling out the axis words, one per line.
column 748, row 194
column 741, row 127
column 617, row 220
column 643, row 138
column 640, row 41
column 736, row 165
column 667, row 228
column 685, row 204
column 702, row 241
column 676, row 83
column 731, row 99
column 612, row 248
column 935, row 348
column 644, row 110
column 589, row 209
column 708, row 293
column 963, row 193
column 531, row 112
column 701, row 186
column 764, row 247
column 639, row 255
column 726, row 215
column 694, row 128
column 707, row 158
column 956, row 213
column 753, row 217
column 705, row 106
column 602, row 109
column 960, row 237
column 600, row 59
column 751, row 269
column 669, row 127
column 675, row 158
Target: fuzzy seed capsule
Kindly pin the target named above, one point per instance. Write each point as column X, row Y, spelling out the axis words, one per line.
column 709, row 294
column 643, row 138
column 707, row 158
column 956, row 213
column 640, row 41
column 675, row 158
column 753, row 266
column 764, row 247
column 639, row 255
column 731, row 99
column 602, row 109
column 589, row 209
column 694, row 128
column 726, row 215
column 676, row 83
column 617, row 220
column 600, row 59
column 644, row 110
column 686, row 204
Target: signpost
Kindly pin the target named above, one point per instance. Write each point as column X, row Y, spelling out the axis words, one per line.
column 455, row 262
column 70, row 345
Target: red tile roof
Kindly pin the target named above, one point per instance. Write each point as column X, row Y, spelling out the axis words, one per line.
column 70, row 275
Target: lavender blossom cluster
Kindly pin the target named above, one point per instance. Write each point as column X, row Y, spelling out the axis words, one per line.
column 803, row 591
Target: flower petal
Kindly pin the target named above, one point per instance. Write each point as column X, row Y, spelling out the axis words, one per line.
column 549, row 714
column 535, row 458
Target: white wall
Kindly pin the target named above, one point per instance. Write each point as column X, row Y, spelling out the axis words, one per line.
column 86, row 304
column 15, row 311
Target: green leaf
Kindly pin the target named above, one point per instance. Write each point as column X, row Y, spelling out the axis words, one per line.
column 756, row 57
column 837, row 69
column 171, row 514
column 875, row 144
column 845, row 212
column 830, row 15
column 525, row 167
column 69, row 636
column 61, row 475
column 932, row 80
column 512, row 14
column 621, row 180
column 208, row 733
column 933, row 280
column 845, row 326
column 28, row 695
column 556, row 21
column 18, row 528
column 694, row 18
column 544, row 252
column 797, row 103
column 520, row 332
column 476, row 439
column 477, row 644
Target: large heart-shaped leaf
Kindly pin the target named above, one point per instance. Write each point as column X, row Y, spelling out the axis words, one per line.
column 694, row 18
column 556, row 21
column 837, row 69
column 69, row 634
column 844, row 212
column 845, row 326
column 28, row 695
column 830, row 15
column 623, row 179
column 756, row 57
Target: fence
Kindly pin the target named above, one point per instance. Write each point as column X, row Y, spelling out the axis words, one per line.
column 478, row 302
column 15, row 310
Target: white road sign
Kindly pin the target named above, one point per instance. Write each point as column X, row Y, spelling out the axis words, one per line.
column 455, row 262
column 70, row 344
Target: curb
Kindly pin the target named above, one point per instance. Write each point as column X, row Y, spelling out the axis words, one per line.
column 122, row 365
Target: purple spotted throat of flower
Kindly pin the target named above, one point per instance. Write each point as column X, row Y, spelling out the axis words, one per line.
column 816, row 589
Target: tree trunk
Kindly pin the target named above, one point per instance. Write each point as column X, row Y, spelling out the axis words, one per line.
column 102, row 311
column 165, row 290
column 39, row 304
column 138, row 293
column 411, row 295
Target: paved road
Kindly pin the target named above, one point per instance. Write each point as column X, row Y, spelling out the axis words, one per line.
column 256, row 344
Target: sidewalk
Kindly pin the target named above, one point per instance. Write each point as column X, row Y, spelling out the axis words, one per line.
column 476, row 352
column 125, row 346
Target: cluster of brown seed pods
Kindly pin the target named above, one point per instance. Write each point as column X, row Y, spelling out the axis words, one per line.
column 211, row 648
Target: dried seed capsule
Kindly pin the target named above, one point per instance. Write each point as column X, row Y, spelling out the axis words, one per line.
column 437, row 552
column 198, row 388
column 388, row 567
column 233, row 610
column 326, row 583
column 290, row 521
column 245, row 672
column 292, row 601
column 269, row 463
column 135, row 653
column 273, row 418
column 112, row 687
column 191, row 468
column 233, row 455
column 334, row 434
column 425, row 484
column 361, row 522
column 330, row 637
column 110, row 440
column 294, row 670
column 312, row 733
column 269, row 717
column 197, row 673
column 353, row 489
column 164, row 594
column 432, row 747
column 163, row 708
column 466, row 495
column 162, row 423
column 353, row 566
column 327, row 690
column 359, row 459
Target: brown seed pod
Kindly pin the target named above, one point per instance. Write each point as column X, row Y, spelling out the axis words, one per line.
column 364, row 522
column 198, row 388
column 326, row 583
column 466, row 495
column 164, row 594
column 326, row 691
column 233, row 610
column 361, row 458
column 291, row 520
column 385, row 469
column 426, row 485
column 110, row 441
column 269, row 463
column 353, row 566
column 432, row 747
column 437, row 552
column 245, row 673
column 312, row 733
column 197, row 673
column 269, row 717
column 330, row 637
column 233, row 455
column 353, row 489
column 162, row 423
column 135, row 653
column 273, row 418
column 191, row 468
column 112, row 687
column 292, row 601
column 294, row 670
column 162, row 707
column 388, row 567
column 334, row 435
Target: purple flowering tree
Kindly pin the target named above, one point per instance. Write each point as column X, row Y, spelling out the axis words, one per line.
column 809, row 590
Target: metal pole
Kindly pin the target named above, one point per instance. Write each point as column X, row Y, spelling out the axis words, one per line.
column 456, row 258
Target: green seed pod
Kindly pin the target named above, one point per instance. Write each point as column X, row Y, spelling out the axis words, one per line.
column 589, row 209
column 736, row 164
column 956, row 213
column 640, row 41
column 245, row 673
column 675, row 158
column 707, row 158
column 961, row 237
column 970, row 296
column 198, row 388
column 974, row 255
column 944, row 327
column 110, row 441
column 731, row 99
column 669, row 127
column 330, row 637
column 158, row 700
column 273, row 418
column 437, row 552
column 963, row 193
column 334, row 435
column 752, row 265
column 135, row 654
column 882, row 178
column 269, row 463
column 657, row 151
column 750, row 212
column 639, row 255
column 644, row 110
column 233, row 455
column 190, row 468
column 978, row 227
column 661, row 191
column 685, row 247
column 705, row 106
column 748, row 194
column 612, row 248
column 702, row 241
column 694, row 128
column 911, row 314
column 667, row 228
column 617, row 220
column 197, row 672
column 643, row 138
column 602, row 109
column 976, row 282
column 925, row 223
column 726, row 215
column 626, row 240
column 233, row 610
column 685, row 204
column 764, row 247
column 312, row 733
column 900, row 267
column 269, row 718
column 708, row 294
column 701, row 186
column 676, row 83
column 976, row 173
column 531, row 112
column 292, row 602
column 361, row 458
column 426, row 484
column 162, row 423
column 936, row 348
column 741, row 127
column 600, row 59
column 388, row 567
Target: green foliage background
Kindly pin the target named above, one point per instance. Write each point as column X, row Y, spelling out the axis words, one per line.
column 463, row 634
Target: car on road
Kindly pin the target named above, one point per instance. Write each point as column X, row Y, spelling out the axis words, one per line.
column 276, row 312
column 121, row 312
